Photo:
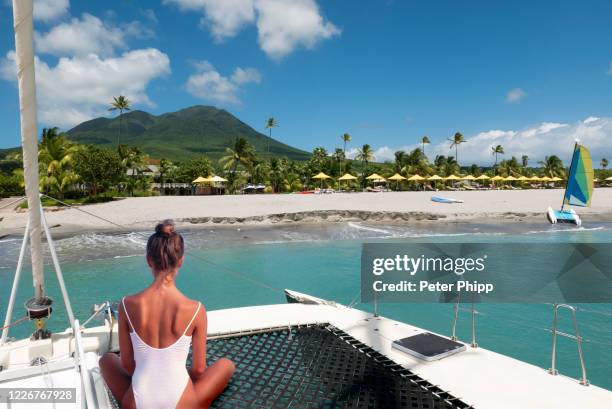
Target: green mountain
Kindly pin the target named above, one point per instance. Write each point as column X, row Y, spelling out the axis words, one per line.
column 190, row 132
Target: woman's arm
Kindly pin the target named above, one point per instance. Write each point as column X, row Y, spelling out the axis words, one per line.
column 125, row 343
column 198, row 341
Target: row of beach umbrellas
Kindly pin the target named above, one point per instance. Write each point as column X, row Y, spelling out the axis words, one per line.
column 417, row 178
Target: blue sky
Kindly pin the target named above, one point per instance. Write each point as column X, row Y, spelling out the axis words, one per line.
column 531, row 76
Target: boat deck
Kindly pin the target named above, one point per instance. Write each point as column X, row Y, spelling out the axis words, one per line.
column 478, row 377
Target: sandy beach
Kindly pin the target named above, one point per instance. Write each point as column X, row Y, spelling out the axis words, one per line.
column 141, row 213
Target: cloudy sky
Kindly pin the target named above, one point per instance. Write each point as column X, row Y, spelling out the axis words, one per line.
column 531, row 76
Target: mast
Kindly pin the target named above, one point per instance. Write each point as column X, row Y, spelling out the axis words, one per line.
column 569, row 172
column 24, row 50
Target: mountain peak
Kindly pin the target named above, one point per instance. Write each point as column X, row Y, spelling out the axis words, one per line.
column 189, row 132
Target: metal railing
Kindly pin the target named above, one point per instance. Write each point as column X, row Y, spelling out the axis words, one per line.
column 553, row 368
column 456, row 308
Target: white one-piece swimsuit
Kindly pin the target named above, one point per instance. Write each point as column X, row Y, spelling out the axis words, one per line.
column 160, row 377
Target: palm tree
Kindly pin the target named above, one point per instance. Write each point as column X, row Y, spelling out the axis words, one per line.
column 242, row 153
column 525, row 161
column 553, row 166
column 457, row 140
column 400, row 160
column 56, row 157
column 270, row 123
column 164, row 167
column 424, row 141
column 120, row 104
column 365, row 155
column 604, row 163
column 497, row 150
column 345, row 139
column 339, row 157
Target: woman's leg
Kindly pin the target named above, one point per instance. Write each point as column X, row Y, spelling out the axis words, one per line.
column 117, row 379
column 213, row 381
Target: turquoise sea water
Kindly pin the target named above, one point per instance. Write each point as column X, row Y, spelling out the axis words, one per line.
column 224, row 263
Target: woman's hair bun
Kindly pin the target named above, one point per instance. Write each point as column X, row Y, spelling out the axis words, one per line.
column 165, row 227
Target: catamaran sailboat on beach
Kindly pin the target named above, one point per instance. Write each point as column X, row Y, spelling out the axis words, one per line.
column 307, row 353
column 578, row 190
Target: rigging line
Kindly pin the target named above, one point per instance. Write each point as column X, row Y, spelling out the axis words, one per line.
column 12, row 324
column 13, row 202
column 212, row 263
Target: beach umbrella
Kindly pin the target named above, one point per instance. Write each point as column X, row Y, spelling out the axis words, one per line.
column 523, row 178
column 397, row 177
column 483, row 177
column 201, row 179
column 497, row 178
column 546, row 179
column 416, row 178
column 435, row 177
column 510, row 178
column 609, row 178
column 375, row 177
column 535, row 179
column 452, row 177
column 217, row 179
column 596, row 180
column 347, row 176
column 468, row 177
column 322, row 176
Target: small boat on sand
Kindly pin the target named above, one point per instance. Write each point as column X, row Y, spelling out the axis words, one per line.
column 578, row 190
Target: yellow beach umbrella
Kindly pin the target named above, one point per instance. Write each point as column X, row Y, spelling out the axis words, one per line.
column 510, row 178
column 535, row 179
column 609, row 178
column 556, row 179
column 452, row 177
column 416, row 178
column 397, row 177
column 483, row 177
column 347, row 176
column 376, row 177
column 546, row 179
column 201, row 179
column 321, row 176
column 497, row 178
column 435, row 177
column 468, row 177
column 523, row 178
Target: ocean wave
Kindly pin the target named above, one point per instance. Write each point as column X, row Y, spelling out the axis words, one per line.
column 554, row 230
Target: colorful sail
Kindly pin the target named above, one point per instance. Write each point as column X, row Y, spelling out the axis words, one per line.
column 579, row 188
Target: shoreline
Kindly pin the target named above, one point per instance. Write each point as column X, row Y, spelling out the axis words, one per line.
column 141, row 214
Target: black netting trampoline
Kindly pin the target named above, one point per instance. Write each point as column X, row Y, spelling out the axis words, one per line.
column 318, row 367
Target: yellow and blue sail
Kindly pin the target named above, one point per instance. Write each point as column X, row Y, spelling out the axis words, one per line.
column 579, row 190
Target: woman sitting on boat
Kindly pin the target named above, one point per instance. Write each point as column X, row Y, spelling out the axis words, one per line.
column 156, row 328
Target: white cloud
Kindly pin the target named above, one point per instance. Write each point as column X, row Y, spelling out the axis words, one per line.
column 537, row 141
column 80, row 37
column 246, row 75
column 89, row 35
column 515, row 95
column 47, row 10
column 224, row 18
column 80, row 87
column 285, row 25
column 282, row 25
column 210, row 85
